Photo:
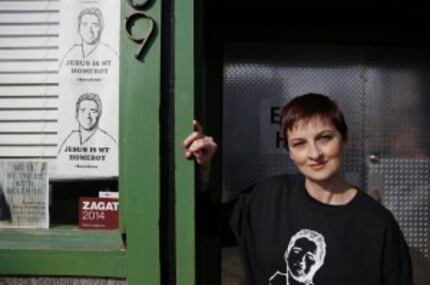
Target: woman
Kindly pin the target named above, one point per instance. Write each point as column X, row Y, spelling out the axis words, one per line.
column 313, row 228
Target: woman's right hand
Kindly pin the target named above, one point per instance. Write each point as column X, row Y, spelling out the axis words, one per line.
column 201, row 148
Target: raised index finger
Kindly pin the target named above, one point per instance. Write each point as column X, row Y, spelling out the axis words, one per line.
column 197, row 127
column 190, row 139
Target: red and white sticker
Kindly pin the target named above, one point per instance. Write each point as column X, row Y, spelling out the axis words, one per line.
column 98, row 213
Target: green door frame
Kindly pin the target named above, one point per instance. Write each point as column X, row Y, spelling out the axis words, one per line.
column 184, row 72
column 140, row 148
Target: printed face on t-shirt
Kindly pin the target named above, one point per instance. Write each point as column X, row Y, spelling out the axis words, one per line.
column 302, row 257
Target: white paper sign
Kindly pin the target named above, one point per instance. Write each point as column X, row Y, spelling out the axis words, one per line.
column 24, row 194
column 89, row 89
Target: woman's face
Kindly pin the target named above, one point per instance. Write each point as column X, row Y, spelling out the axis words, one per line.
column 316, row 147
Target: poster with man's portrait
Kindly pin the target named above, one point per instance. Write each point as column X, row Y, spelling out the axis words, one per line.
column 89, row 89
column 88, row 140
column 89, row 40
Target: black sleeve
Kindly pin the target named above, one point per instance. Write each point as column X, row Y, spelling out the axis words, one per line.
column 397, row 267
column 213, row 219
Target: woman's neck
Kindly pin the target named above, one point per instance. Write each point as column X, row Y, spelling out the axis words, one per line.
column 336, row 191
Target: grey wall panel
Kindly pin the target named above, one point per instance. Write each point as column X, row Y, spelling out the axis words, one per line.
column 258, row 80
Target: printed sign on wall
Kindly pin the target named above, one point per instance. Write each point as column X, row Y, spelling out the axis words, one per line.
column 98, row 213
column 24, row 194
column 89, row 89
column 271, row 137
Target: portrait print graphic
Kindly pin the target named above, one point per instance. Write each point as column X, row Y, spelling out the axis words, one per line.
column 88, row 149
column 88, row 113
column 89, row 43
column 305, row 255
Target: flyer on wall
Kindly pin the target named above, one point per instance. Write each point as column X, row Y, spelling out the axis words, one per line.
column 24, row 194
column 88, row 119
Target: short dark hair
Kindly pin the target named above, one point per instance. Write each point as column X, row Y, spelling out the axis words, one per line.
column 91, row 97
column 306, row 107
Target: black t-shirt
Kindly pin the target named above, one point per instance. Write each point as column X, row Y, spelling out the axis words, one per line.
column 287, row 237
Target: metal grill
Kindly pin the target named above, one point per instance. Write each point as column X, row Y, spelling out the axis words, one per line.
column 382, row 92
column 258, row 80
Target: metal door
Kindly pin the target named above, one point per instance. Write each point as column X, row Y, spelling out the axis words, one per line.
column 382, row 92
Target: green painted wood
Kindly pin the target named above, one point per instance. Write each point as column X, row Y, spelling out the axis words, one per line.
column 60, row 238
column 139, row 179
column 100, row 263
column 56, row 280
column 184, row 113
column 61, row 251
